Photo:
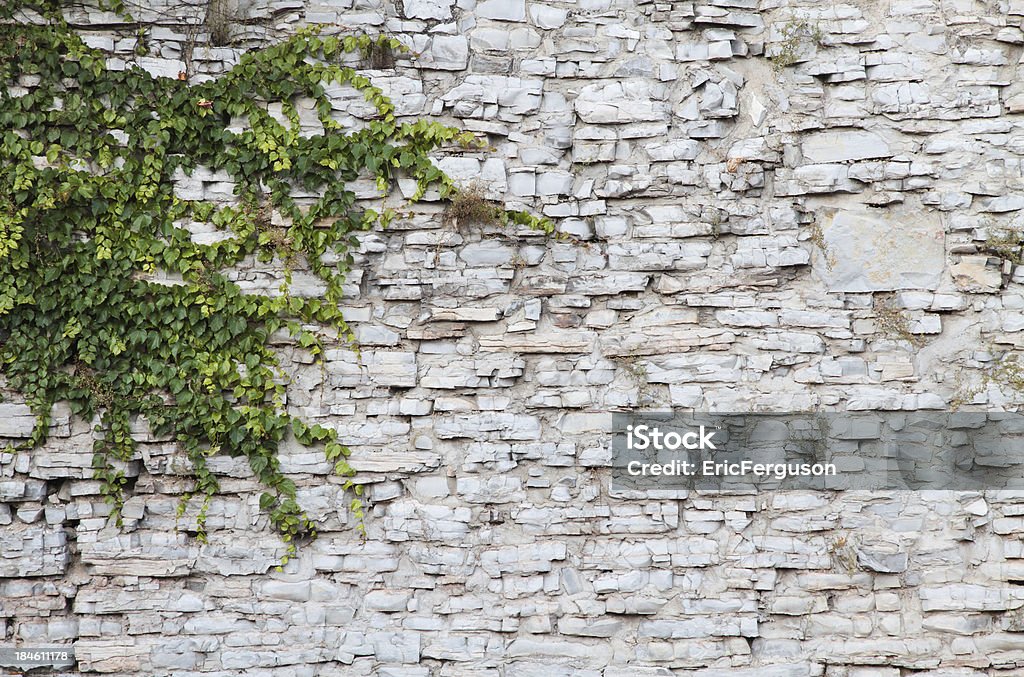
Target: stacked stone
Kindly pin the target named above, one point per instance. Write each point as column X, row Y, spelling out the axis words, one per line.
column 779, row 207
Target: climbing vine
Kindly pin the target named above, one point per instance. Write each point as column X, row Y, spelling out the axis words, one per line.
column 107, row 302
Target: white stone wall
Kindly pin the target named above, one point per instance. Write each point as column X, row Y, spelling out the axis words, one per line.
column 753, row 239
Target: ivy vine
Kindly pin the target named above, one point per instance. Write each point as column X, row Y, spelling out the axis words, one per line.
column 92, row 231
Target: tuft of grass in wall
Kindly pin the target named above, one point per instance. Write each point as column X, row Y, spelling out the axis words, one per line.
column 892, row 320
column 797, row 35
column 638, row 373
column 818, row 240
column 844, row 554
column 470, row 206
column 963, row 393
column 1008, row 372
column 1006, row 244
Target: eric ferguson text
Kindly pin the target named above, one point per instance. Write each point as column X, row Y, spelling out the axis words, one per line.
column 718, row 469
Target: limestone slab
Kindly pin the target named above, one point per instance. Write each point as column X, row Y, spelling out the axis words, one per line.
column 866, row 251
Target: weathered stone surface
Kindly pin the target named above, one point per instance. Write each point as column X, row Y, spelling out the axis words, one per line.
column 880, row 251
column 32, row 551
column 449, row 52
column 620, row 102
column 843, row 146
column 502, row 10
column 428, row 9
column 977, row 274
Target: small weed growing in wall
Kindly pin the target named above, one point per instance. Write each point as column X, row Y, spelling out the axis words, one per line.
column 796, row 34
column 844, row 554
column 470, row 206
column 715, row 217
column 818, row 240
column 1008, row 373
column 892, row 320
column 637, row 371
column 1007, row 245
column 963, row 393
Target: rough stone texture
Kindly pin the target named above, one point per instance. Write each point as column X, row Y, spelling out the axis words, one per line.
column 880, row 250
column 742, row 229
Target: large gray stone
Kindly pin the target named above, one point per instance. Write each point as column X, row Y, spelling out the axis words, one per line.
column 449, row 52
column 879, row 250
column 428, row 9
column 16, row 420
column 547, row 17
column 828, row 147
column 502, row 10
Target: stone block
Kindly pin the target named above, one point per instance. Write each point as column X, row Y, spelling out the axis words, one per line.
column 880, row 250
column 844, row 146
column 502, row 10
column 429, row 9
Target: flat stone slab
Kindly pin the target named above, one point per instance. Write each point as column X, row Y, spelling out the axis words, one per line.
column 880, row 251
column 828, row 147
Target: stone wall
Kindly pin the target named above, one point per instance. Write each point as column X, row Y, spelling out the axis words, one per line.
column 781, row 208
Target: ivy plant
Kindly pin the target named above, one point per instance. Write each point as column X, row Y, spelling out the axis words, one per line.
column 107, row 302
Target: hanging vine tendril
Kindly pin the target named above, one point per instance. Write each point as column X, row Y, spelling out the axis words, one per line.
column 89, row 220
